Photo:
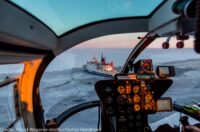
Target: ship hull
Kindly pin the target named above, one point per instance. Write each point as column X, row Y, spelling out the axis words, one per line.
column 99, row 73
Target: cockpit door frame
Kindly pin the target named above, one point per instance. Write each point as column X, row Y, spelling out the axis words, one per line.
column 30, row 103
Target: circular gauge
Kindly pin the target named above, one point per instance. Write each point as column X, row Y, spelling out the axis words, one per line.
column 136, row 107
column 128, row 89
column 108, row 89
column 148, row 98
column 130, row 117
column 147, row 66
column 148, row 107
column 121, row 110
column 136, row 98
column 129, row 100
column 109, row 110
column 121, row 89
column 131, row 124
column 129, row 110
column 109, row 100
column 121, row 99
column 136, row 89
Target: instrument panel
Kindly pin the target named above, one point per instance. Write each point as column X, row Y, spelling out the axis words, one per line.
column 118, row 96
column 127, row 100
column 136, row 95
column 130, row 98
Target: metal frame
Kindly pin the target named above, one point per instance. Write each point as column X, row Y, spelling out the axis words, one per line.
column 28, row 87
column 70, row 112
column 7, row 81
column 37, row 104
column 148, row 39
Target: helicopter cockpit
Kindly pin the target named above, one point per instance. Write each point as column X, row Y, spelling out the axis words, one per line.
column 34, row 32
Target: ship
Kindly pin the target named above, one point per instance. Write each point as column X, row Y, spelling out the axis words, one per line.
column 101, row 68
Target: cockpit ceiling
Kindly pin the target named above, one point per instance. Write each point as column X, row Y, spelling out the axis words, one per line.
column 63, row 16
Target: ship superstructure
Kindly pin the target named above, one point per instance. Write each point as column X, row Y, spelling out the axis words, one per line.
column 101, row 68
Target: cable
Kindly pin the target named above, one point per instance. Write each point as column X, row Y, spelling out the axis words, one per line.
column 99, row 116
column 180, row 121
column 113, row 126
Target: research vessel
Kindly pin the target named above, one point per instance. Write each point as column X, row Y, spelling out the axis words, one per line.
column 101, row 68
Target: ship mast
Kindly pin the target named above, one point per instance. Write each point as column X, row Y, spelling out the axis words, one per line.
column 103, row 60
column 102, row 57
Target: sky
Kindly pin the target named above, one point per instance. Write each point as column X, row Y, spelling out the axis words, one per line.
column 129, row 40
column 113, row 41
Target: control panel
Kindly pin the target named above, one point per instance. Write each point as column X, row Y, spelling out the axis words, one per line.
column 134, row 96
column 128, row 99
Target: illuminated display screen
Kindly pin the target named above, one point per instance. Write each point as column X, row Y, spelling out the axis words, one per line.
column 164, row 70
column 164, row 104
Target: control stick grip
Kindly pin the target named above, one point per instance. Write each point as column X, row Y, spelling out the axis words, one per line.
column 184, row 122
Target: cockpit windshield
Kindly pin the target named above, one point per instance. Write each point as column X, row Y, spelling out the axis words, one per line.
column 72, row 74
column 80, row 68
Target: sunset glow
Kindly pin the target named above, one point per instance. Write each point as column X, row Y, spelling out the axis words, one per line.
column 129, row 40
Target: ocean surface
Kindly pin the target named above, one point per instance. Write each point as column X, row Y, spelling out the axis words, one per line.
column 64, row 83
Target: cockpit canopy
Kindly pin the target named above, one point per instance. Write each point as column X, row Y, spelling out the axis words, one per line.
column 51, row 26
